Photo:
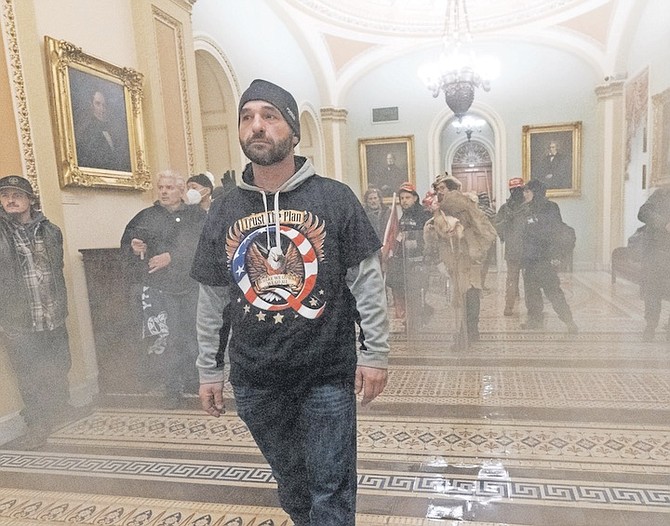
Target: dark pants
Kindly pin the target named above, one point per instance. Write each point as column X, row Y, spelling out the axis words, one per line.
column 175, row 366
column 182, row 342
column 472, row 308
column 41, row 361
column 538, row 277
column 309, row 440
column 652, row 310
column 512, row 284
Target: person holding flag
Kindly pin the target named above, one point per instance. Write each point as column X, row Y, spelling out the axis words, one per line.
column 403, row 245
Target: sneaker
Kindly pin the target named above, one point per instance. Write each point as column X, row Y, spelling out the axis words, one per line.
column 508, row 312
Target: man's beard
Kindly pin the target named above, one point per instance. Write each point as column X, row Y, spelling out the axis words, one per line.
column 278, row 152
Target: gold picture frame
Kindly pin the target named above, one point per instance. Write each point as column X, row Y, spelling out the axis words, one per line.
column 561, row 172
column 386, row 163
column 97, row 115
column 660, row 145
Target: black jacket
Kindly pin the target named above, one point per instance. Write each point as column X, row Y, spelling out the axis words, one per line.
column 510, row 222
column 655, row 214
column 175, row 232
column 15, row 309
column 411, row 223
column 543, row 221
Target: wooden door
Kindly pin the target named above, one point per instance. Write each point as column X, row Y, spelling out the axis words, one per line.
column 472, row 166
column 474, row 179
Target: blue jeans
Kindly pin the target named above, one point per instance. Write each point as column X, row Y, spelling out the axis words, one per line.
column 309, row 440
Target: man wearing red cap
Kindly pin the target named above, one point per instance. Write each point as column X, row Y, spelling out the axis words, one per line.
column 413, row 218
column 510, row 222
column 33, row 307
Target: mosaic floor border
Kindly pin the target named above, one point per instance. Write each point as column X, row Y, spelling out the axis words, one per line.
column 25, row 508
column 488, row 485
column 603, row 447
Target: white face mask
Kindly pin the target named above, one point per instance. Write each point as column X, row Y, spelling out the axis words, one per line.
column 193, row 197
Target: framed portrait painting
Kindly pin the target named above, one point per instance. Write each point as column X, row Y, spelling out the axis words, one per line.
column 552, row 154
column 97, row 114
column 660, row 149
column 386, row 163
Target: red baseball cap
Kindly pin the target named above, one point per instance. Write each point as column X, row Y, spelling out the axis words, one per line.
column 515, row 182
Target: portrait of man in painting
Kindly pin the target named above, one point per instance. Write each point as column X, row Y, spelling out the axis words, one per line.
column 100, row 122
column 387, row 167
column 551, row 159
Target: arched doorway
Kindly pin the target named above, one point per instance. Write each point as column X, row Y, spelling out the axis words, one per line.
column 219, row 115
column 310, row 144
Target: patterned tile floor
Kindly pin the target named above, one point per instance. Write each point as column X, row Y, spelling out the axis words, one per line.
column 523, row 428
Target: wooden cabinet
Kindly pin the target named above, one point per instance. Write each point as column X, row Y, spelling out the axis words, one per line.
column 117, row 321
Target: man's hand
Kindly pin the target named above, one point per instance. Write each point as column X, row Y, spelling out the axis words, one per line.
column 139, row 247
column 158, row 262
column 371, row 381
column 211, row 398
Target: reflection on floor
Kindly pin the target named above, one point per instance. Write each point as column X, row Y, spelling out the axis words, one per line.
column 524, row 428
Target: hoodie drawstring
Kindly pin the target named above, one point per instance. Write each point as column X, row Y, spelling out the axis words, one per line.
column 275, row 254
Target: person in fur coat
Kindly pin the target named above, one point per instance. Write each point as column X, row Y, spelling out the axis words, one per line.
column 461, row 234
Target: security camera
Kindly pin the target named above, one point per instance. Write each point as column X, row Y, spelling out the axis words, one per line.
column 616, row 76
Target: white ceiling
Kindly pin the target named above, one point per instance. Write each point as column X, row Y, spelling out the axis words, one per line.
column 356, row 34
column 426, row 17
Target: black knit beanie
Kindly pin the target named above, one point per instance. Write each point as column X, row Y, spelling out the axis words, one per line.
column 202, row 180
column 278, row 97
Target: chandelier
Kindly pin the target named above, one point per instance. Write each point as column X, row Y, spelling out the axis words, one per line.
column 458, row 72
column 468, row 125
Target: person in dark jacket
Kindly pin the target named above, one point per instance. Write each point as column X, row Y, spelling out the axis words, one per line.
column 377, row 212
column 510, row 222
column 409, row 254
column 33, row 308
column 655, row 283
column 159, row 243
column 539, row 259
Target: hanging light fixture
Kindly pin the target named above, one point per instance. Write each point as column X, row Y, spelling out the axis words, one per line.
column 458, row 72
column 469, row 125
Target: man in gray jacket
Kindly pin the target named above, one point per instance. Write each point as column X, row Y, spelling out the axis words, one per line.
column 292, row 256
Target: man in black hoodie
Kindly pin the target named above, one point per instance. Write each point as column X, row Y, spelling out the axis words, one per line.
column 539, row 258
column 288, row 258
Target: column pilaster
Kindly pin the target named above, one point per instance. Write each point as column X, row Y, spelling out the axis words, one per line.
column 334, row 122
column 611, row 169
